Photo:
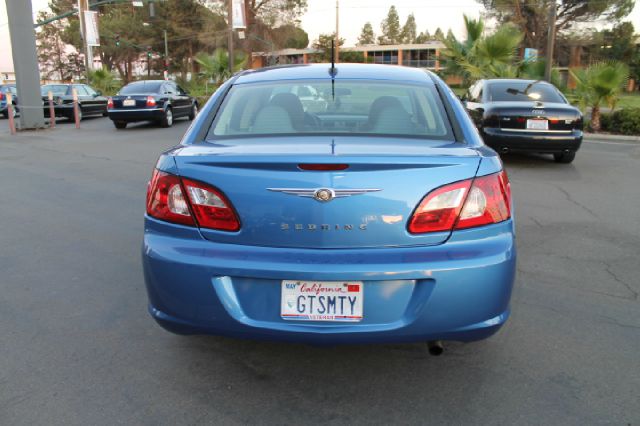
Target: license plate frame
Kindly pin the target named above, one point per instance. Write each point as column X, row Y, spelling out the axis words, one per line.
column 345, row 297
column 129, row 102
column 537, row 124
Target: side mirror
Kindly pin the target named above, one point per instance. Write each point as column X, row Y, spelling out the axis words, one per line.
column 98, row 93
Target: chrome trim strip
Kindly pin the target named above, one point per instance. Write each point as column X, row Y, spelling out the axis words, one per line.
column 310, row 193
column 535, row 130
column 136, row 109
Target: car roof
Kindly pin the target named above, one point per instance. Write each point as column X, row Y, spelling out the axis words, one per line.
column 147, row 81
column 344, row 71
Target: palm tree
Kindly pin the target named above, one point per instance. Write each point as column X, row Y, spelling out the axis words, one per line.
column 216, row 66
column 481, row 56
column 599, row 83
column 103, row 80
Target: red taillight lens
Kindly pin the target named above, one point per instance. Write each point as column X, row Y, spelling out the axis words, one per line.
column 172, row 199
column 489, row 201
column 211, row 208
column 151, row 101
column 1, row 96
column 166, row 199
column 466, row 204
column 109, row 103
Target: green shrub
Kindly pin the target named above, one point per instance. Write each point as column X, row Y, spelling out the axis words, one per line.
column 625, row 121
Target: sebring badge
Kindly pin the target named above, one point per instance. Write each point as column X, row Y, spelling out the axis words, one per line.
column 323, row 194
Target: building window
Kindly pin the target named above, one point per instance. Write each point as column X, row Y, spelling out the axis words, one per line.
column 422, row 58
column 384, row 57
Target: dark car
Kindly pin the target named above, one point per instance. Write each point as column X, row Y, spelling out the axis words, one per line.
column 90, row 101
column 159, row 101
column 4, row 89
column 525, row 115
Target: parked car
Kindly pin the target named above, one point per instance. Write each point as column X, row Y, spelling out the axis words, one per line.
column 90, row 101
column 525, row 115
column 4, row 89
column 272, row 222
column 151, row 100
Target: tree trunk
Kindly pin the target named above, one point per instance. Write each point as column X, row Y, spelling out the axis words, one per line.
column 595, row 118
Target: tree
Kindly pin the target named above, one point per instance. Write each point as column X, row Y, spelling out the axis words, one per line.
column 438, row 35
column 531, row 17
column 617, row 43
column 409, row 31
column 216, row 67
column 390, row 28
column 366, row 35
column 103, row 80
column 480, row 56
column 423, row 37
column 264, row 15
column 290, row 36
column 57, row 62
column 323, row 44
column 599, row 83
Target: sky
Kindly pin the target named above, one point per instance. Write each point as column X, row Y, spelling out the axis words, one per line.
column 320, row 18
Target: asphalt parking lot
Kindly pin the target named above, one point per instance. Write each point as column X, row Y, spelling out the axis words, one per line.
column 78, row 347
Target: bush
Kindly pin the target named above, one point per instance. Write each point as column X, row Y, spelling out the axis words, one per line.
column 625, row 121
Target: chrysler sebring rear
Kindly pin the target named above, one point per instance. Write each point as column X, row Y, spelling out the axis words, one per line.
column 370, row 213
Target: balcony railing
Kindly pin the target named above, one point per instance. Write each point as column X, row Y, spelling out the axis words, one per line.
column 419, row 63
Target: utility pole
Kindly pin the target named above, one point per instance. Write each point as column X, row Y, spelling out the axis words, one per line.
column 25, row 63
column 166, row 56
column 83, row 5
column 230, row 42
column 550, row 41
column 337, row 43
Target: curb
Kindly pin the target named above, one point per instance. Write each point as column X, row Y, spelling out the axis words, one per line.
column 610, row 137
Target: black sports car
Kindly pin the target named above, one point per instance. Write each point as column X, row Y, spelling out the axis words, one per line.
column 90, row 101
column 525, row 115
column 151, row 100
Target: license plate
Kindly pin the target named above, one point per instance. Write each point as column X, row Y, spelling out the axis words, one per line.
column 537, row 124
column 322, row 300
column 129, row 102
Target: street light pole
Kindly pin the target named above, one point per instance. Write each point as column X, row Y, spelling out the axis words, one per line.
column 83, row 5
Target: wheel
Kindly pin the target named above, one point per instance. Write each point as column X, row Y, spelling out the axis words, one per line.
column 194, row 111
column 120, row 124
column 105, row 113
column 167, row 120
column 565, row 157
column 72, row 117
column 5, row 113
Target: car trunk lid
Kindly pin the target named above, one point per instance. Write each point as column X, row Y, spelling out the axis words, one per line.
column 375, row 195
column 522, row 116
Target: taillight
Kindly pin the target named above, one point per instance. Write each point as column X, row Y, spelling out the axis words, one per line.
column 110, row 103
column 322, row 167
column 166, row 199
column 466, row 204
column 177, row 200
column 1, row 96
column 211, row 207
column 151, row 101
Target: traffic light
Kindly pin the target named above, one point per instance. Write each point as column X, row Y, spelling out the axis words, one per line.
column 148, row 51
column 117, row 40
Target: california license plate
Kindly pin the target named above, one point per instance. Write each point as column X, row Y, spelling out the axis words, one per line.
column 538, row 124
column 129, row 102
column 322, row 300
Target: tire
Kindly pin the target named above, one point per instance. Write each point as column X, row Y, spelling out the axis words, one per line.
column 105, row 113
column 5, row 114
column 167, row 119
column 120, row 124
column 194, row 111
column 565, row 157
column 72, row 116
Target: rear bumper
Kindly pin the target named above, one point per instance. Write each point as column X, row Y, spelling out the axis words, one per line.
column 131, row 115
column 532, row 141
column 459, row 290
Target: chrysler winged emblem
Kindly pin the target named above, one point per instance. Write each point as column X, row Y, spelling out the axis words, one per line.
column 323, row 194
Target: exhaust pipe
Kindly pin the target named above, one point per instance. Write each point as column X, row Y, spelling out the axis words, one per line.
column 504, row 150
column 435, row 347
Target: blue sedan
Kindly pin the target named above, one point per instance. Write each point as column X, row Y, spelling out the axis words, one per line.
column 355, row 204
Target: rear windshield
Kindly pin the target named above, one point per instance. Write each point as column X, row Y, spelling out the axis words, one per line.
column 140, row 88
column 320, row 107
column 56, row 89
column 520, row 91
